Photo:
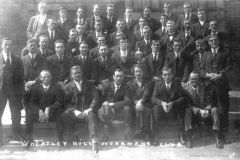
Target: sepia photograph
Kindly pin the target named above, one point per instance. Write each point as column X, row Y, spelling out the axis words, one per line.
column 120, row 79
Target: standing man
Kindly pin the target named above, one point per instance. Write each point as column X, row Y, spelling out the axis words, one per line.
column 201, row 106
column 80, row 20
column 138, row 35
column 72, row 45
column 94, row 52
column 81, row 101
column 111, row 19
column 168, row 97
column 197, row 58
column 129, row 22
column 215, row 64
column 38, row 23
column 145, row 44
column 163, row 30
column 11, row 87
column 167, row 7
column 120, row 25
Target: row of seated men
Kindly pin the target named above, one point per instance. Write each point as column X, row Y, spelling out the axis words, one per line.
column 197, row 26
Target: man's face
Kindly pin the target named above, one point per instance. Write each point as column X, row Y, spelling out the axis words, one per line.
column 167, row 76
column 177, row 46
column 118, row 77
column 194, row 80
column 103, row 51
column 201, row 47
column 42, row 9
column 187, row 9
column 123, row 44
column 59, row 48
column 163, row 20
column 170, row 27
column 213, row 26
column 43, row 43
column 80, row 13
column 101, row 40
column 155, row 47
column 98, row 26
column 147, row 12
column 128, row 13
column 146, row 34
column 110, row 11
column 52, row 24
column 7, row 46
column 32, row 47
column 119, row 35
column 202, row 15
column 46, row 78
column 120, row 25
column 187, row 25
column 96, row 11
column 138, row 72
column 63, row 13
column 83, row 49
column 142, row 23
column 73, row 36
column 213, row 42
column 76, row 75
column 167, row 8
column 80, row 29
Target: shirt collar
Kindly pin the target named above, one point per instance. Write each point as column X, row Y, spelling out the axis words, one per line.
column 169, row 84
column 116, row 86
column 51, row 31
column 190, row 14
column 202, row 22
column 46, row 87
column 83, row 56
column 5, row 56
column 214, row 33
column 195, row 89
column 216, row 49
column 177, row 54
column 32, row 55
column 63, row 20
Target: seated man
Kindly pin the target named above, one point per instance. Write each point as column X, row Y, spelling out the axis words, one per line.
column 200, row 105
column 168, row 99
column 45, row 104
column 141, row 91
column 81, row 101
column 116, row 95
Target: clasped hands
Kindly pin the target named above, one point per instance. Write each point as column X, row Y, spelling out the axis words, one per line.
column 204, row 112
column 44, row 116
column 80, row 114
column 138, row 106
column 214, row 76
column 167, row 106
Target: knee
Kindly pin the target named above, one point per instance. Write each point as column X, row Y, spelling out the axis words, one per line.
column 155, row 109
column 188, row 111
column 65, row 114
column 214, row 110
column 127, row 109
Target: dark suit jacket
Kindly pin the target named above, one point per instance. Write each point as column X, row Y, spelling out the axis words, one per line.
column 175, row 95
column 188, row 44
column 89, row 23
column 47, row 54
column 130, row 28
column 173, row 17
column 121, row 99
column 196, row 62
column 152, row 23
column 137, row 36
column 93, row 39
column 159, row 33
column 221, row 64
column 180, row 22
column 32, row 71
column 201, row 30
column 17, row 73
column 33, row 25
column 59, row 69
column 110, row 26
column 182, row 71
column 94, row 53
column 166, row 44
column 39, row 100
column 65, row 27
column 68, row 49
column 58, row 35
column 89, row 69
column 76, row 21
column 87, row 98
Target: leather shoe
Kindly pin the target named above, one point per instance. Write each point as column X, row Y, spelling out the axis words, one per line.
column 95, row 148
column 189, row 143
column 182, row 138
column 155, row 141
column 105, row 139
column 140, row 135
column 75, row 138
column 128, row 134
column 219, row 143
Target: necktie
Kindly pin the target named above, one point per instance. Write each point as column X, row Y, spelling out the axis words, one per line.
column 155, row 57
column 84, row 60
column 117, row 89
column 187, row 17
column 45, row 89
column 52, row 35
column 43, row 52
column 168, row 88
column 8, row 60
column 164, row 31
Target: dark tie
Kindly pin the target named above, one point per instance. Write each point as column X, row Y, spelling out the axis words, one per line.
column 84, row 60
column 177, row 61
column 8, row 61
column 51, row 34
column 187, row 17
column 164, row 31
column 155, row 57
column 117, row 89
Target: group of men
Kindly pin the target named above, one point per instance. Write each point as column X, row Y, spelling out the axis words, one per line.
column 91, row 69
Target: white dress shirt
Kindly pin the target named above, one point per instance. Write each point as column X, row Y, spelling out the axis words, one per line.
column 168, row 86
column 79, row 85
column 5, row 56
column 42, row 18
column 46, row 87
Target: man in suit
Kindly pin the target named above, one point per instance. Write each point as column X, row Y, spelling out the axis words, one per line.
column 138, row 35
column 201, row 28
column 129, row 22
column 38, row 23
column 82, row 34
column 52, row 32
column 154, row 62
column 163, row 30
column 90, row 21
column 94, row 52
column 215, row 64
column 45, row 105
column 167, row 7
column 58, row 64
column 81, row 102
column 188, row 37
column 111, row 19
column 187, row 6
column 98, row 31
column 166, row 42
column 80, row 20
column 72, row 45
column 43, row 50
column 168, row 99
column 178, row 61
column 85, row 62
column 200, row 106
column 145, row 44
column 123, row 58
column 64, row 23
column 197, row 58
column 11, row 87
column 116, row 95
column 152, row 22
